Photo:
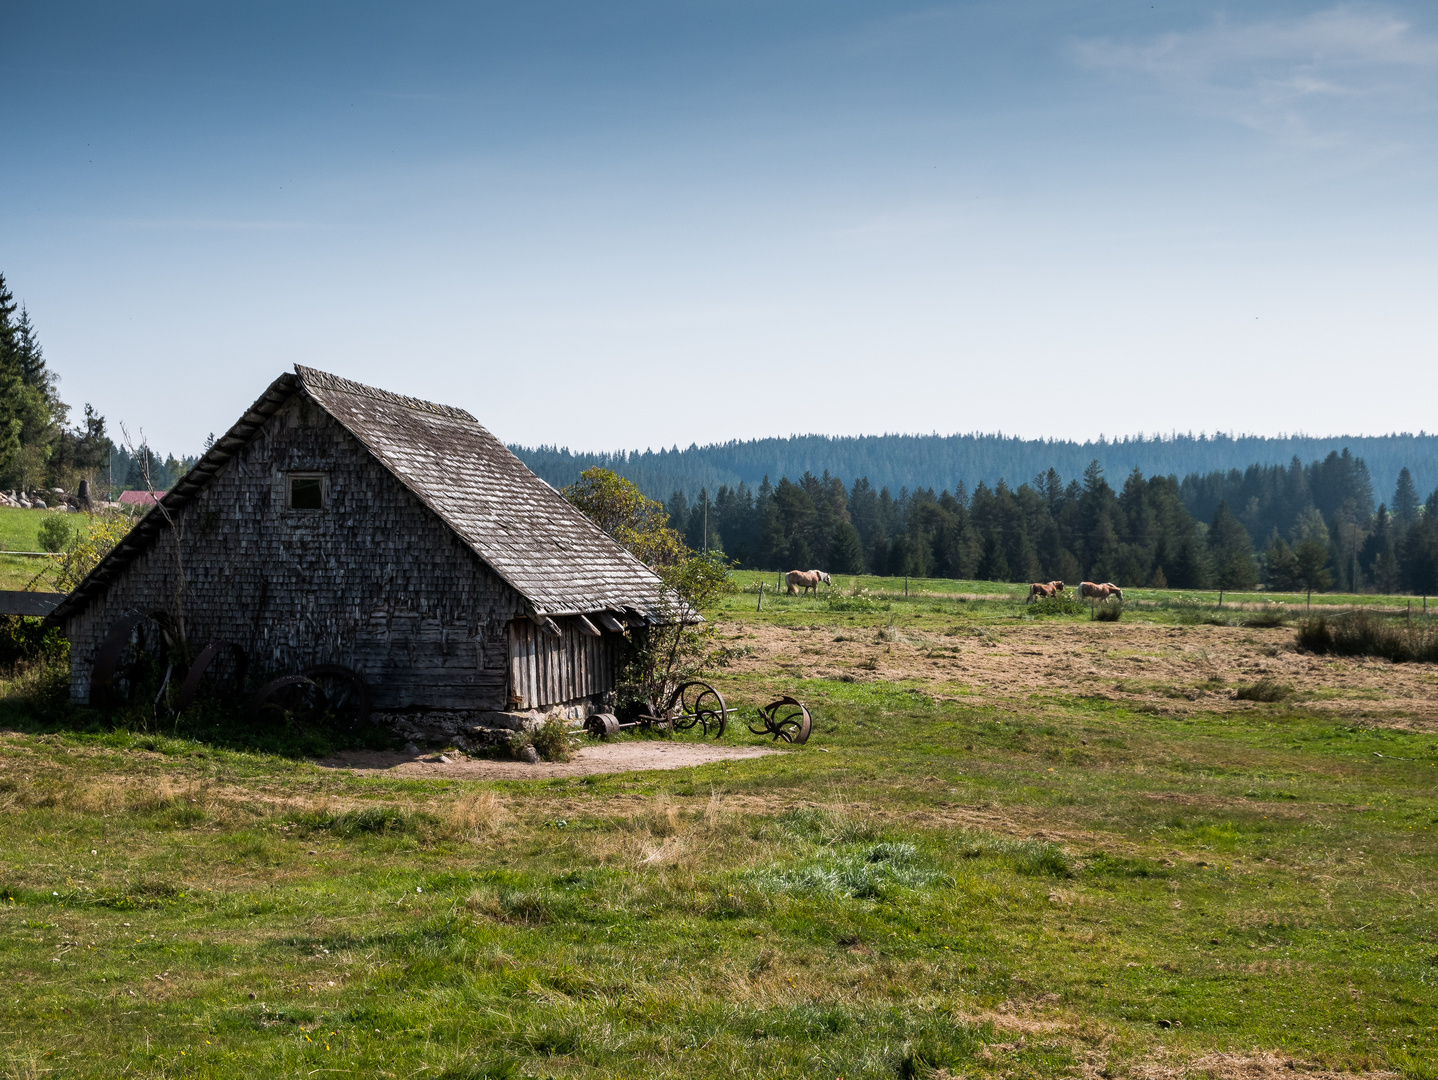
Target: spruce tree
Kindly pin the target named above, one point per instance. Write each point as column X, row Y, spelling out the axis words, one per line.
column 846, row 550
column 1310, row 556
column 1405, row 498
column 1231, row 550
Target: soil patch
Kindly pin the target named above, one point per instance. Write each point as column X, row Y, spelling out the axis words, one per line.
column 605, row 758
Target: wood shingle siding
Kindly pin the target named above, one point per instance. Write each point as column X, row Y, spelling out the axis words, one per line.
column 434, row 556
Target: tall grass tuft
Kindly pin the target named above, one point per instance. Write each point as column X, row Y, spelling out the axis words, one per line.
column 1107, row 612
column 474, row 816
column 1264, row 690
column 1266, row 618
column 1363, row 633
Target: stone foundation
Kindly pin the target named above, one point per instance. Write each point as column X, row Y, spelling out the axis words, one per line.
column 472, row 730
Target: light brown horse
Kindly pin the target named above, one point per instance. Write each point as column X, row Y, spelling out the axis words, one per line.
column 1044, row 590
column 1089, row 591
column 804, row 580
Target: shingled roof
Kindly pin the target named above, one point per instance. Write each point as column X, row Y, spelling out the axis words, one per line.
column 524, row 530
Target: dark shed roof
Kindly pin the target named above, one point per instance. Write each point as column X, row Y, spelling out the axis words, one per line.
column 529, row 534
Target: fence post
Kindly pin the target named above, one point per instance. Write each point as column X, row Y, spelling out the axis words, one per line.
column 906, row 586
column 1220, row 598
column 761, row 597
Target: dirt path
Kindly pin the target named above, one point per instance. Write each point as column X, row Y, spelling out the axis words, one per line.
column 1174, row 670
column 604, row 758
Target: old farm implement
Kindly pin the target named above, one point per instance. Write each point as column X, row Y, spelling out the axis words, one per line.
column 142, row 659
column 699, row 705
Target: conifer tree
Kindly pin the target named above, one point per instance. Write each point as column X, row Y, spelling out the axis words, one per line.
column 1405, row 498
column 846, row 550
column 1231, row 550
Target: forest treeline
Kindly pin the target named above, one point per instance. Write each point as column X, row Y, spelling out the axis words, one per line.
column 1286, row 525
column 940, row 461
column 40, row 449
column 1315, row 525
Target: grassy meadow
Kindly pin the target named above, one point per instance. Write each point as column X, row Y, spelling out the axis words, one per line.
column 1015, row 880
column 17, row 533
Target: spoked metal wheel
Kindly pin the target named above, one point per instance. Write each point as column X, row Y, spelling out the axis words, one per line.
column 289, row 701
column 221, row 666
column 133, row 659
column 787, row 719
column 346, row 698
column 697, row 703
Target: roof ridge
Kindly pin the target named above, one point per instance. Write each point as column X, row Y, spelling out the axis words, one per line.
column 314, row 377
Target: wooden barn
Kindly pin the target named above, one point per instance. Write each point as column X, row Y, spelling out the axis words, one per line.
column 340, row 524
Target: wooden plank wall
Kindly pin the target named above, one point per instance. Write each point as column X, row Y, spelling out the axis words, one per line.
column 549, row 670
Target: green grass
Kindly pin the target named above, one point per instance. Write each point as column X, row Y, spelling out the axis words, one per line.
column 869, row 599
column 17, row 533
column 915, row 889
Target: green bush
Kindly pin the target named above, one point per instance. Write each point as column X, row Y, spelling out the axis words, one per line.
column 1058, row 605
column 27, row 641
column 1107, row 612
column 553, row 740
column 54, row 533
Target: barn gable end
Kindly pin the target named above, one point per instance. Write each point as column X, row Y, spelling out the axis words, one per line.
column 444, row 575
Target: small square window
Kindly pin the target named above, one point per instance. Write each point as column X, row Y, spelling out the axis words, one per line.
column 307, row 492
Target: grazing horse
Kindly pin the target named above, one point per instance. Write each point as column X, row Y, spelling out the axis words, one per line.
column 804, row 580
column 1089, row 591
column 1044, row 590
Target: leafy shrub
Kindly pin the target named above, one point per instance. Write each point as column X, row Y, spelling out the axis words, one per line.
column 1264, row 689
column 54, row 533
column 553, row 739
column 1107, row 612
column 26, row 641
column 1364, row 633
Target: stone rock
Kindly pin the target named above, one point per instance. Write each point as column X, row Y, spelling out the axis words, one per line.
column 531, row 755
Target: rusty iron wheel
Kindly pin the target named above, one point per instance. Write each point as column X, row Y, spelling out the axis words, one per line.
column 697, row 703
column 601, row 725
column 345, row 693
column 224, row 662
column 787, row 719
column 137, row 645
column 290, row 700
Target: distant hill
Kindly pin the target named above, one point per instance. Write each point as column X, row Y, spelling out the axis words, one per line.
column 943, row 461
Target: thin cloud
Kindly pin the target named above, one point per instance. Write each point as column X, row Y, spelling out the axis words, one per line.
column 1296, row 77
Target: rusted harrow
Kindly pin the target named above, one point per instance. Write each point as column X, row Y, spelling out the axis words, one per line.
column 692, row 704
column 787, row 719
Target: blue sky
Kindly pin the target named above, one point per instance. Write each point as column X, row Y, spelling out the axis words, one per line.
column 627, row 225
